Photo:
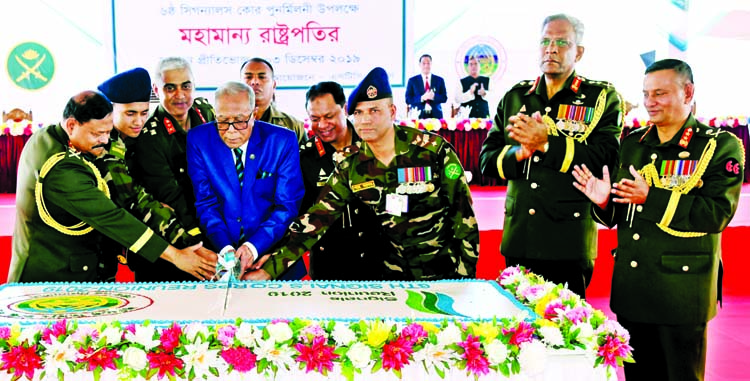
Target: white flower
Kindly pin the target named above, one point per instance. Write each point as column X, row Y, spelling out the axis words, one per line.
column 279, row 332
column 28, row 333
column 83, row 333
column 247, row 334
column 57, row 356
column 200, row 358
column 586, row 334
column 497, row 352
column 113, row 335
column 516, row 277
column 552, row 336
column 144, row 335
column 281, row 356
column 193, row 329
column 135, row 358
column 435, row 356
column 359, row 353
column 342, row 334
column 532, row 357
column 450, row 335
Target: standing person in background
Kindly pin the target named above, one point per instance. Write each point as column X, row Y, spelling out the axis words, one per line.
column 63, row 206
column 676, row 190
column 426, row 91
column 258, row 74
column 159, row 152
column 130, row 93
column 472, row 91
column 541, row 129
column 353, row 247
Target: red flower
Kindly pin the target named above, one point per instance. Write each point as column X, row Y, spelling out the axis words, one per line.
column 524, row 333
column 58, row 329
column 240, row 358
column 396, row 354
column 170, row 338
column 104, row 358
column 474, row 355
column 613, row 348
column 22, row 361
column 317, row 356
column 165, row 362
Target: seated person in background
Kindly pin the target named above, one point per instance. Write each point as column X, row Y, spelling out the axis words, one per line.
column 353, row 247
column 258, row 74
column 63, row 208
column 414, row 183
column 130, row 93
column 159, row 158
column 246, row 176
column 426, row 91
column 472, row 91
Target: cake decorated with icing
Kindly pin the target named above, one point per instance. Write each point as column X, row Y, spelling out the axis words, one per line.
column 255, row 301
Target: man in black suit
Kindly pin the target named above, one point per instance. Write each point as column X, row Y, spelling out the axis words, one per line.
column 426, row 91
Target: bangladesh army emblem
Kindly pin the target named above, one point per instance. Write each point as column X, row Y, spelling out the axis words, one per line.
column 30, row 66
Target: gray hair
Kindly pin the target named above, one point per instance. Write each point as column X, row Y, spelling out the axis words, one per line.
column 574, row 22
column 235, row 88
column 171, row 63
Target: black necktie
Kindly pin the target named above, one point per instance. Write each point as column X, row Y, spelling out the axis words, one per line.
column 238, row 164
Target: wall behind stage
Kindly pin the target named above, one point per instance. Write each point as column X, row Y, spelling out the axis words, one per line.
column 81, row 38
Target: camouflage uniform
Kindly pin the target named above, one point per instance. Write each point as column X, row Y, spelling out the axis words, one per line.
column 435, row 238
column 275, row 116
column 160, row 164
column 134, row 198
column 353, row 247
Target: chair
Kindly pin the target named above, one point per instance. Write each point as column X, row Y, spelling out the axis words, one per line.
column 17, row 115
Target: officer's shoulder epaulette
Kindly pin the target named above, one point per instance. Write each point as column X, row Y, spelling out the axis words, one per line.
column 151, row 127
column 425, row 139
column 306, row 146
column 638, row 132
column 523, row 84
column 596, row 83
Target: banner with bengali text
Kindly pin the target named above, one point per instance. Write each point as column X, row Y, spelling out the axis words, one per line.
column 306, row 42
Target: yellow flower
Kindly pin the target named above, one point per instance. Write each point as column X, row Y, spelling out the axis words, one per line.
column 429, row 327
column 542, row 322
column 486, row 330
column 378, row 334
column 541, row 304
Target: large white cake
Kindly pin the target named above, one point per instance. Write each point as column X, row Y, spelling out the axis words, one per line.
column 255, row 301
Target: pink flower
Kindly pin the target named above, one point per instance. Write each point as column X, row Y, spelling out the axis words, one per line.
column 551, row 311
column 577, row 314
column 240, row 358
column 104, row 358
column 414, row 332
column 22, row 361
column 614, row 347
column 170, row 338
column 164, row 362
column 524, row 333
column 535, row 292
column 274, row 321
column 129, row 328
column 509, row 272
column 317, row 356
column 4, row 333
column 225, row 335
column 474, row 355
column 311, row 332
column 396, row 353
column 56, row 330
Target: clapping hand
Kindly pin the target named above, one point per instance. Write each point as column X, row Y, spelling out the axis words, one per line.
column 595, row 189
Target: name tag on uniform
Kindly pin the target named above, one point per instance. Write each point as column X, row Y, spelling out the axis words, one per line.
column 363, row 186
column 395, row 204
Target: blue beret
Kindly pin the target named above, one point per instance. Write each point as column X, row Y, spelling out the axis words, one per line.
column 127, row 87
column 375, row 86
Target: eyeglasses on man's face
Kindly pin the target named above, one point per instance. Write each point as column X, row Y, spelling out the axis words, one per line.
column 223, row 125
column 545, row 42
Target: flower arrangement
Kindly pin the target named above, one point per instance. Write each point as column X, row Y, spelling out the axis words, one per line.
column 449, row 124
column 18, row 128
column 723, row 121
column 113, row 350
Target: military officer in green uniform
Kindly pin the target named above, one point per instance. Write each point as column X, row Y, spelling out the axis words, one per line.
column 160, row 161
column 258, row 74
column 130, row 92
column 541, row 129
column 353, row 247
column 412, row 180
column 676, row 189
column 63, row 208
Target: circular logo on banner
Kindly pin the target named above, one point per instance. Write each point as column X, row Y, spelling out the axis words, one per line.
column 30, row 66
column 490, row 55
column 75, row 305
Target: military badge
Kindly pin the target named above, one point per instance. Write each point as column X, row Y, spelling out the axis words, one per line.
column 415, row 180
column 363, row 186
column 676, row 172
column 372, row 92
column 170, row 127
column 686, row 136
